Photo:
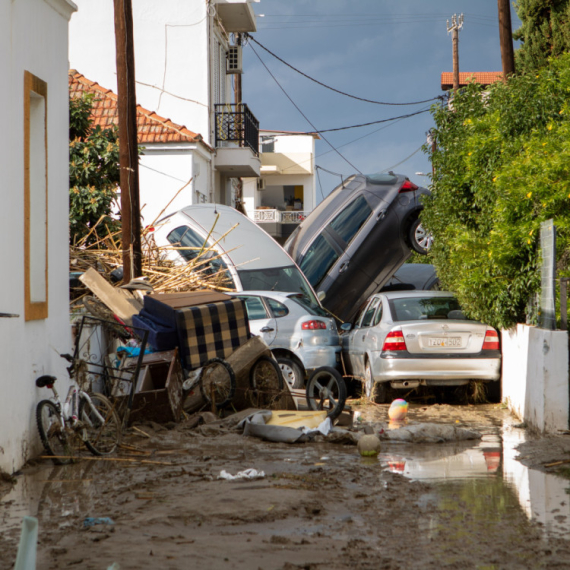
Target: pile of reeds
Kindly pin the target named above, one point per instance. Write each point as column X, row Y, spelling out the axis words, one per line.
column 161, row 266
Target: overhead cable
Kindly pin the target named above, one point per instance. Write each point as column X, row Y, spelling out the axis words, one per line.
column 332, row 88
column 301, row 112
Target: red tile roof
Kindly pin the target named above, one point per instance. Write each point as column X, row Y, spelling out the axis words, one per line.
column 152, row 128
column 465, row 77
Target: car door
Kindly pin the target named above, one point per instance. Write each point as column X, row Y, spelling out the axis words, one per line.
column 261, row 322
column 364, row 337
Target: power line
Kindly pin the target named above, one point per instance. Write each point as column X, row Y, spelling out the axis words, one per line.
column 402, row 161
column 332, row 88
column 373, row 122
column 301, row 112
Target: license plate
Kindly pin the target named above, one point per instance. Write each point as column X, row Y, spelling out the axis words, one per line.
column 445, row 342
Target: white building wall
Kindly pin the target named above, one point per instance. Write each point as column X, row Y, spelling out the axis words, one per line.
column 164, row 171
column 172, row 54
column 33, row 37
column 535, row 376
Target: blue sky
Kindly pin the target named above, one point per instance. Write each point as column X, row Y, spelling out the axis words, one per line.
column 376, row 49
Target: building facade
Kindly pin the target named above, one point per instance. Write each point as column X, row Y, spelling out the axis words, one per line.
column 34, row 160
column 182, row 72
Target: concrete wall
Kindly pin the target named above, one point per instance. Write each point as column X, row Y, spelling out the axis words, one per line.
column 33, row 37
column 535, row 376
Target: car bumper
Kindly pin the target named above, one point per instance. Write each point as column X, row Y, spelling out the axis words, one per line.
column 393, row 369
column 314, row 357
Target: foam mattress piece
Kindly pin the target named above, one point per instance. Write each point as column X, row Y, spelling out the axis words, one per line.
column 162, row 307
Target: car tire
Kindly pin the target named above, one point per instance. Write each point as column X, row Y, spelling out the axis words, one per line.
column 376, row 392
column 292, row 372
column 420, row 239
column 326, row 390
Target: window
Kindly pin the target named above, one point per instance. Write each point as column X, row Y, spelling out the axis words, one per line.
column 310, row 307
column 35, row 198
column 276, row 279
column 320, row 257
column 278, row 309
column 420, row 308
column 378, row 316
column 369, row 312
column 351, row 219
column 189, row 244
column 255, row 308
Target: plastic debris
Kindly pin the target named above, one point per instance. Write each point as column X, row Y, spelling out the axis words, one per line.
column 26, row 558
column 242, row 475
column 429, row 433
column 92, row 521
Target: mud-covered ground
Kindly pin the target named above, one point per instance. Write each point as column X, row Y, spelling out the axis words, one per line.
column 318, row 506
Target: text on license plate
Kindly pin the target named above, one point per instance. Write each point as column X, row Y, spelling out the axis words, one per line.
column 445, row 342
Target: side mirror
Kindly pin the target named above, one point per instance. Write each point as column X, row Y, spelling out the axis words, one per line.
column 345, row 327
column 321, row 295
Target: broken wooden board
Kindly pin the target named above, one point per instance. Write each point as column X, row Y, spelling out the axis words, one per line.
column 120, row 301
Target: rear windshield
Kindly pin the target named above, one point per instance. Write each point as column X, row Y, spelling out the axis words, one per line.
column 311, row 308
column 421, row 308
column 276, row 279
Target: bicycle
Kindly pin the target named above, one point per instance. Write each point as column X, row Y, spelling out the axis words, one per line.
column 88, row 419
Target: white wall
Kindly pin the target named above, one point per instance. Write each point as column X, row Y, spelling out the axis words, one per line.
column 33, row 37
column 535, row 376
column 164, row 170
column 171, row 53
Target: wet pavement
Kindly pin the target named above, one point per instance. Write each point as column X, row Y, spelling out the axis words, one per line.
column 470, row 487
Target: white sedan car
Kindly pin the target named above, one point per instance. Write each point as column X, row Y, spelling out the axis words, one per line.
column 404, row 339
column 301, row 334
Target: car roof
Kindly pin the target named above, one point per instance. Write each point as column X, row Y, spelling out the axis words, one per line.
column 253, row 246
column 274, row 294
column 412, row 294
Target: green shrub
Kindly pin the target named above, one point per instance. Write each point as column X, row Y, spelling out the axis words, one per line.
column 502, row 167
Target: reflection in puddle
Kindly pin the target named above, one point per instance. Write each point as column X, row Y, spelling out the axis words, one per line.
column 476, row 470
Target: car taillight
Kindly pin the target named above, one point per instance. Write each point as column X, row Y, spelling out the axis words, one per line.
column 313, row 325
column 408, row 186
column 491, row 341
column 395, row 341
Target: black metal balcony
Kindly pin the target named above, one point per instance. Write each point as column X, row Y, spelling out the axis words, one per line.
column 235, row 123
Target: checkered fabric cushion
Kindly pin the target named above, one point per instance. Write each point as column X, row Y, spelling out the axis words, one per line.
column 212, row 330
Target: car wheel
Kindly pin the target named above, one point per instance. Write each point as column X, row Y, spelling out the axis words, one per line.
column 375, row 391
column 326, row 390
column 420, row 239
column 292, row 373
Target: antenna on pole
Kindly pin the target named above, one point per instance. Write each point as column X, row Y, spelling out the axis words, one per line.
column 456, row 25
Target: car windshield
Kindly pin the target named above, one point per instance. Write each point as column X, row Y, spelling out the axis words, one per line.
column 420, row 308
column 276, row 279
column 311, row 308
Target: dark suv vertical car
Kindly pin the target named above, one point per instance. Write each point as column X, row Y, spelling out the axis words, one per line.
column 352, row 243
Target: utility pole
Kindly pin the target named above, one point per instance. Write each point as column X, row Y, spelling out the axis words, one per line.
column 456, row 25
column 237, row 79
column 506, row 38
column 128, row 144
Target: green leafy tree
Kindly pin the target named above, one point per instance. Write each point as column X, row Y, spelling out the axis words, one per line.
column 502, row 167
column 93, row 170
column 545, row 32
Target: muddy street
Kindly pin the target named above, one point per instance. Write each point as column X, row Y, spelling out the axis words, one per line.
column 456, row 505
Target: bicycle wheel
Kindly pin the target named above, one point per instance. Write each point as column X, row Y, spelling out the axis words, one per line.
column 266, row 380
column 57, row 441
column 326, row 390
column 102, row 434
column 218, row 381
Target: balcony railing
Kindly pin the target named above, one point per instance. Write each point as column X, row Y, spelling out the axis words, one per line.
column 279, row 216
column 235, row 123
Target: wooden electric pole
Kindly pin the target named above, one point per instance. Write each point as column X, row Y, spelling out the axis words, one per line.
column 456, row 25
column 506, row 38
column 237, row 80
column 128, row 144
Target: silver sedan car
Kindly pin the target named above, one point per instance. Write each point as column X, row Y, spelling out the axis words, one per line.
column 301, row 334
column 404, row 339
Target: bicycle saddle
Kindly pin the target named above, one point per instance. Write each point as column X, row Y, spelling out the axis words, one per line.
column 45, row 380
